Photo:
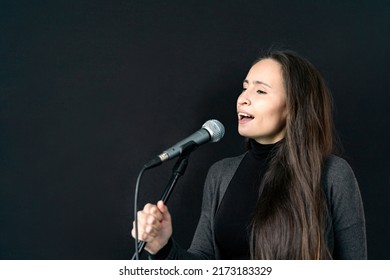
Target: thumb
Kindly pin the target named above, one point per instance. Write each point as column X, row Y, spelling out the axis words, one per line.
column 162, row 207
column 164, row 210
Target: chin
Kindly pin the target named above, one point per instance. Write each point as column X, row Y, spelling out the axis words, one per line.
column 245, row 134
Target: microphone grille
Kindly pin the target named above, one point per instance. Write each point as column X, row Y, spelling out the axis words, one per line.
column 215, row 128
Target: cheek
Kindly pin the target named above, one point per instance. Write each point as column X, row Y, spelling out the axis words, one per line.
column 277, row 112
column 278, row 115
column 283, row 113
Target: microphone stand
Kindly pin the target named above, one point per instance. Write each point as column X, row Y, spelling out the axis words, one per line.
column 177, row 171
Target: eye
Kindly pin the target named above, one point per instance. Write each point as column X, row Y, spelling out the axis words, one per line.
column 261, row 92
column 243, row 89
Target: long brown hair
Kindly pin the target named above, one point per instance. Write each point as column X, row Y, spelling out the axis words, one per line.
column 290, row 216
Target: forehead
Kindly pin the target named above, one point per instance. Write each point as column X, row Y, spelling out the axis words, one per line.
column 267, row 70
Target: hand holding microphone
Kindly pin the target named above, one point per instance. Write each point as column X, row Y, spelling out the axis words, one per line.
column 153, row 224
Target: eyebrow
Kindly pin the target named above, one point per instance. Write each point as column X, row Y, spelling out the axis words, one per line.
column 258, row 82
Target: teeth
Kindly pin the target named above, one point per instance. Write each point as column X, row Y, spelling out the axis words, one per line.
column 245, row 115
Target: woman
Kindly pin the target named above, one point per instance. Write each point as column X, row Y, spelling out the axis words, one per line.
column 288, row 197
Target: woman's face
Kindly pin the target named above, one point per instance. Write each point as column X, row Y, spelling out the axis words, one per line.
column 261, row 107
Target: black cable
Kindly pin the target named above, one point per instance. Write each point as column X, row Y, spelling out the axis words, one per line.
column 136, row 254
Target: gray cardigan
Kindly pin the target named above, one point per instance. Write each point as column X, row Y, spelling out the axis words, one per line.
column 345, row 232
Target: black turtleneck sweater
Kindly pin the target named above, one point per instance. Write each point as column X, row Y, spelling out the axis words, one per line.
column 234, row 215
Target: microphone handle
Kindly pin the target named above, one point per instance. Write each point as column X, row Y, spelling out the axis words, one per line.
column 178, row 170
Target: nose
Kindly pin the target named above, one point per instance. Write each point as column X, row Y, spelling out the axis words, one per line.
column 243, row 99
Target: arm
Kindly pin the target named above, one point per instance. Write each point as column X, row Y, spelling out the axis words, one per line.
column 346, row 209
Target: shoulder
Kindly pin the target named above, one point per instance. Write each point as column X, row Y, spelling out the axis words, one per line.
column 336, row 164
column 338, row 170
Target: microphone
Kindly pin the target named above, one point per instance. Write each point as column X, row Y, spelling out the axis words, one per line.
column 211, row 131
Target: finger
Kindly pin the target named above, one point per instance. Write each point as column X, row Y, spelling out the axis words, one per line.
column 148, row 206
column 149, row 219
column 153, row 221
column 153, row 210
column 164, row 210
column 146, row 234
column 161, row 206
column 148, row 223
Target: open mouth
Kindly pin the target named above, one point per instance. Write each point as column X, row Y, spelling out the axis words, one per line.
column 244, row 116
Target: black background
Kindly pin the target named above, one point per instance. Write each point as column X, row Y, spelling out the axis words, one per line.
column 91, row 90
